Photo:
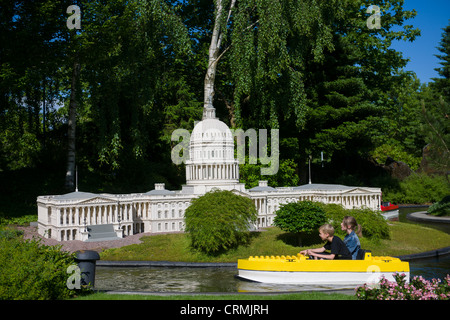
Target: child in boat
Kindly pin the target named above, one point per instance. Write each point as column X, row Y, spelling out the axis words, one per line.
column 351, row 239
column 335, row 244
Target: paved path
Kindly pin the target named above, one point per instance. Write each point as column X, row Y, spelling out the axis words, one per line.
column 75, row 245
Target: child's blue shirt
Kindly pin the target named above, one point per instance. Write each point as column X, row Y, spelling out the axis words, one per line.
column 352, row 242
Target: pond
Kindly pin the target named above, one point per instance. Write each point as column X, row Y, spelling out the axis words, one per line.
column 164, row 279
column 180, row 279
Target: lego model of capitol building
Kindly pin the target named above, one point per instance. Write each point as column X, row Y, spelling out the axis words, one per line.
column 96, row 217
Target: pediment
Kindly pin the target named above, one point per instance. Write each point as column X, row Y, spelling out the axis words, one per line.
column 97, row 200
column 357, row 191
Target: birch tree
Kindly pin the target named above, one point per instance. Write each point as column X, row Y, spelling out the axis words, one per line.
column 265, row 42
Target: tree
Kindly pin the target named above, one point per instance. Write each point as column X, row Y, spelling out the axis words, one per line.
column 348, row 103
column 255, row 34
column 125, row 64
column 436, row 128
column 301, row 217
column 443, row 84
column 219, row 220
column 31, row 55
column 250, row 174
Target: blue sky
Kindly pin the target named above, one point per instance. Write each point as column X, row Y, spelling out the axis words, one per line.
column 432, row 17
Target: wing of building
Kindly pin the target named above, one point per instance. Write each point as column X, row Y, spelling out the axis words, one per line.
column 92, row 217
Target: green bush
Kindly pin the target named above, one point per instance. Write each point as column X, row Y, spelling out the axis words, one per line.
column 374, row 226
column 418, row 189
column 301, row 217
column 440, row 208
column 219, row 220
column 22, row 220
column 30, row 271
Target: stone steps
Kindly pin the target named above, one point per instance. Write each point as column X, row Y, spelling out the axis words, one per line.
column 101, row 232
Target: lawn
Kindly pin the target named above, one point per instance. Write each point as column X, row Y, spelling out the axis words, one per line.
column 288, row 296
column 405, row 238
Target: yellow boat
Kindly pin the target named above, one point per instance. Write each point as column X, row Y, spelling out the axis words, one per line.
column 301, row 269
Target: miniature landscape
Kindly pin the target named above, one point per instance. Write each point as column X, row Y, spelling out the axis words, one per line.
column 212, row 131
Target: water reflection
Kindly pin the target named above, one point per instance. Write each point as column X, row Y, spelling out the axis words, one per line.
column 167, row 279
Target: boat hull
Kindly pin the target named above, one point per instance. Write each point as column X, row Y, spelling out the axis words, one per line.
column 390, row 215
column 316, row 278
column 301, row 270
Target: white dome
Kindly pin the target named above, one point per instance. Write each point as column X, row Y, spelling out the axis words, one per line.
column 211, row 141
column 211, row 154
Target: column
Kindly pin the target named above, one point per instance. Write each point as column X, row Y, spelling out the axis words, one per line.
column 77, row 216
column 65, row 222
column 58, row 217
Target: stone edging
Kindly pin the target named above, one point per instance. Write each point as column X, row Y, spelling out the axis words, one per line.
column 109, row 263
column 428, row 254
column 422, row 216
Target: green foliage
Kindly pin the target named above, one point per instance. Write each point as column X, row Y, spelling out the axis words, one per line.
column 22, row 220
column 31, row 271
column 219, row 220
column 436, row 128
column 442, row 84
column 250, row 174
column 299, row 217
column 418, row 189
column 374, row 226
column 440, row 208
column 396, row 152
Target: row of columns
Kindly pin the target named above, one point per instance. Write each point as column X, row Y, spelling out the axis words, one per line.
column 100, row 214
column 348, row 201
column 201, row 153
column 260, row 204
column 212, row 171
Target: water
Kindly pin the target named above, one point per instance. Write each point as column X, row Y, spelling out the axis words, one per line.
column 160, row 279
column 205, row 280
column 403, row 212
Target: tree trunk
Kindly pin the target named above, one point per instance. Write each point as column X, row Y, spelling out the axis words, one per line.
column 214, row 55
column 72, row 121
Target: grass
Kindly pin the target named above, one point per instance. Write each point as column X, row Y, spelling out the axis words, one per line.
column 284, row 297
column 405, row 239
column 409, row 238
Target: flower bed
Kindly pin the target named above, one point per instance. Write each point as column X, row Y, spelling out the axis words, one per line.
column 418, row 289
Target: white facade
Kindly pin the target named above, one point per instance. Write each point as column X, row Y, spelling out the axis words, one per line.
column 211, row 165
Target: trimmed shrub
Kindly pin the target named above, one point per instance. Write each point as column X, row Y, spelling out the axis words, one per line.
column 373, row 224
column 301, row 217
column 30, row 271
column 219, row 220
